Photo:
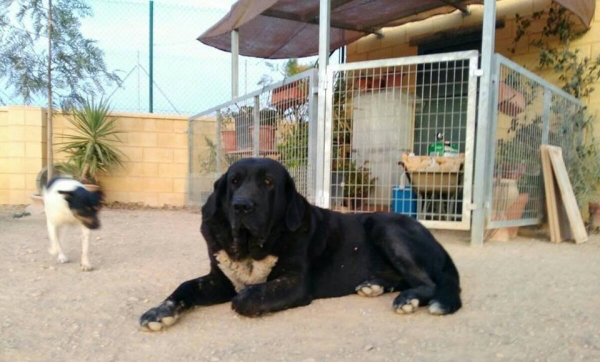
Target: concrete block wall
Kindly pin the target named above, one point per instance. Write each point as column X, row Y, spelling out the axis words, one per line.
column 155, row 167
column 22, row 152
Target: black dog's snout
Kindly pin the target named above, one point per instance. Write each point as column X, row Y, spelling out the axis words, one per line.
column 242, row 204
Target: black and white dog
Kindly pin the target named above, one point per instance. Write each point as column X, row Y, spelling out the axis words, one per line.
column 67, row 202
column 271, row 250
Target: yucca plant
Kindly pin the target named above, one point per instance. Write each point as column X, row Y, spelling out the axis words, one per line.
column 91, row 150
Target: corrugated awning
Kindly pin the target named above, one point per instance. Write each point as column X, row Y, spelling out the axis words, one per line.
column 276, row 29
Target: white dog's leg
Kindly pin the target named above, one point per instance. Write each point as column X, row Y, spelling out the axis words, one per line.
column 85, row 246
column 55, row 247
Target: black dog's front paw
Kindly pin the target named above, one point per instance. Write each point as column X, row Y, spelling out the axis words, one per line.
column 159, row 318
column 249, row 302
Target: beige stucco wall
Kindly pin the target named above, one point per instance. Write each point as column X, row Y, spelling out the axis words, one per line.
column 22, row 152
column 396, row 41
column 154, row 171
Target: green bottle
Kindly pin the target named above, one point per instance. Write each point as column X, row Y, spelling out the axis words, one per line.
column 442, row 148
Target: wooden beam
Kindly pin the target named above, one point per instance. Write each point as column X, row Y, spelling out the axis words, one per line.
column 567, row 195
column 450, row 34
column 455, row 4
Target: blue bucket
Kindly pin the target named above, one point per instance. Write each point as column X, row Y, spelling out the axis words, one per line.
column 404, row 201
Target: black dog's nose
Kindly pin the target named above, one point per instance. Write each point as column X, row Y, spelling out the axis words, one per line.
column 242, row 204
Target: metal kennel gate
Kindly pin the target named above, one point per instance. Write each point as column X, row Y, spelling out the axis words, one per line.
column 381, row 119
column 399, row 136
column 530, row 112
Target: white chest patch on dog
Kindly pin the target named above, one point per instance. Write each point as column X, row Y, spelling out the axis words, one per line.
column 245, row 272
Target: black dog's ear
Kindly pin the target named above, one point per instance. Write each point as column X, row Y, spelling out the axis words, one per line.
column 295, row 207
column 214, row 200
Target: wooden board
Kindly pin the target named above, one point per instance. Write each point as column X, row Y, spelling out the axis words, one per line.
column 550, row 194
column 558, row 222
column 567, row 196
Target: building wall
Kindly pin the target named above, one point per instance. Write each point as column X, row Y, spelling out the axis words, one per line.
column 396, row 42
column 154, row 172
column 22, row 152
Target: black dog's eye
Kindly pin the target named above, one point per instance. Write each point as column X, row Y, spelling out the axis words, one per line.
column 234, row 181
column 268, row 182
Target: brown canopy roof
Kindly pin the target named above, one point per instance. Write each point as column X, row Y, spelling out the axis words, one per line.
column 290, row 28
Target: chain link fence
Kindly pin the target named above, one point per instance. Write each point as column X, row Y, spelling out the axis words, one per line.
column 188, row 76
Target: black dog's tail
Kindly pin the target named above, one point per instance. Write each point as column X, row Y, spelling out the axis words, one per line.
column 446, row 299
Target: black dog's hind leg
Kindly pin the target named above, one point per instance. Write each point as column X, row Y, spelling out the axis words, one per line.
column 213, row 288
column 420, row 292
column 443, row 294
column 420, row 288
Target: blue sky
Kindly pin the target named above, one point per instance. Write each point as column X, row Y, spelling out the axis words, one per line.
column 189, row 77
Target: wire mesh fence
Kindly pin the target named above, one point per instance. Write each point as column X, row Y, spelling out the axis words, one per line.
column 402, row 137
column 531, row 112
column 273, row 122
column 187, row 76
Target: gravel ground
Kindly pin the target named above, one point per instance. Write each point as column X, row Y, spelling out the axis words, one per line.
column 524, row 300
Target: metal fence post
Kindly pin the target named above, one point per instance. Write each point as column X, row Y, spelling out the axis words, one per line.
column 256, row 133
column 324, row 46
column 312, row 133
column 546, row 116
column 219, row 149
column 483, row 148
column 328, row 134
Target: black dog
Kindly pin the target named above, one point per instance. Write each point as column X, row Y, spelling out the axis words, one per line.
column 271, row 250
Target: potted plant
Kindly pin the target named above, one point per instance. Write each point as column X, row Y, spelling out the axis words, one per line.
column 293, row 94
column 268, row 127
column 510, row 100
column 290, row 95
column 91, row 148
column 207, row 159
column 358, row 183
column 228, row 133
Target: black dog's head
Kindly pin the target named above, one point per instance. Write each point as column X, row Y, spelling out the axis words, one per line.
column 85, row 205
column 255, row 195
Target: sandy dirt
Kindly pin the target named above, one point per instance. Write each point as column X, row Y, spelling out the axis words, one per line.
column 524, row 300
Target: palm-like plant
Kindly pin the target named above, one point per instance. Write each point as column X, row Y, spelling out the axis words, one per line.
column 91, row 149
